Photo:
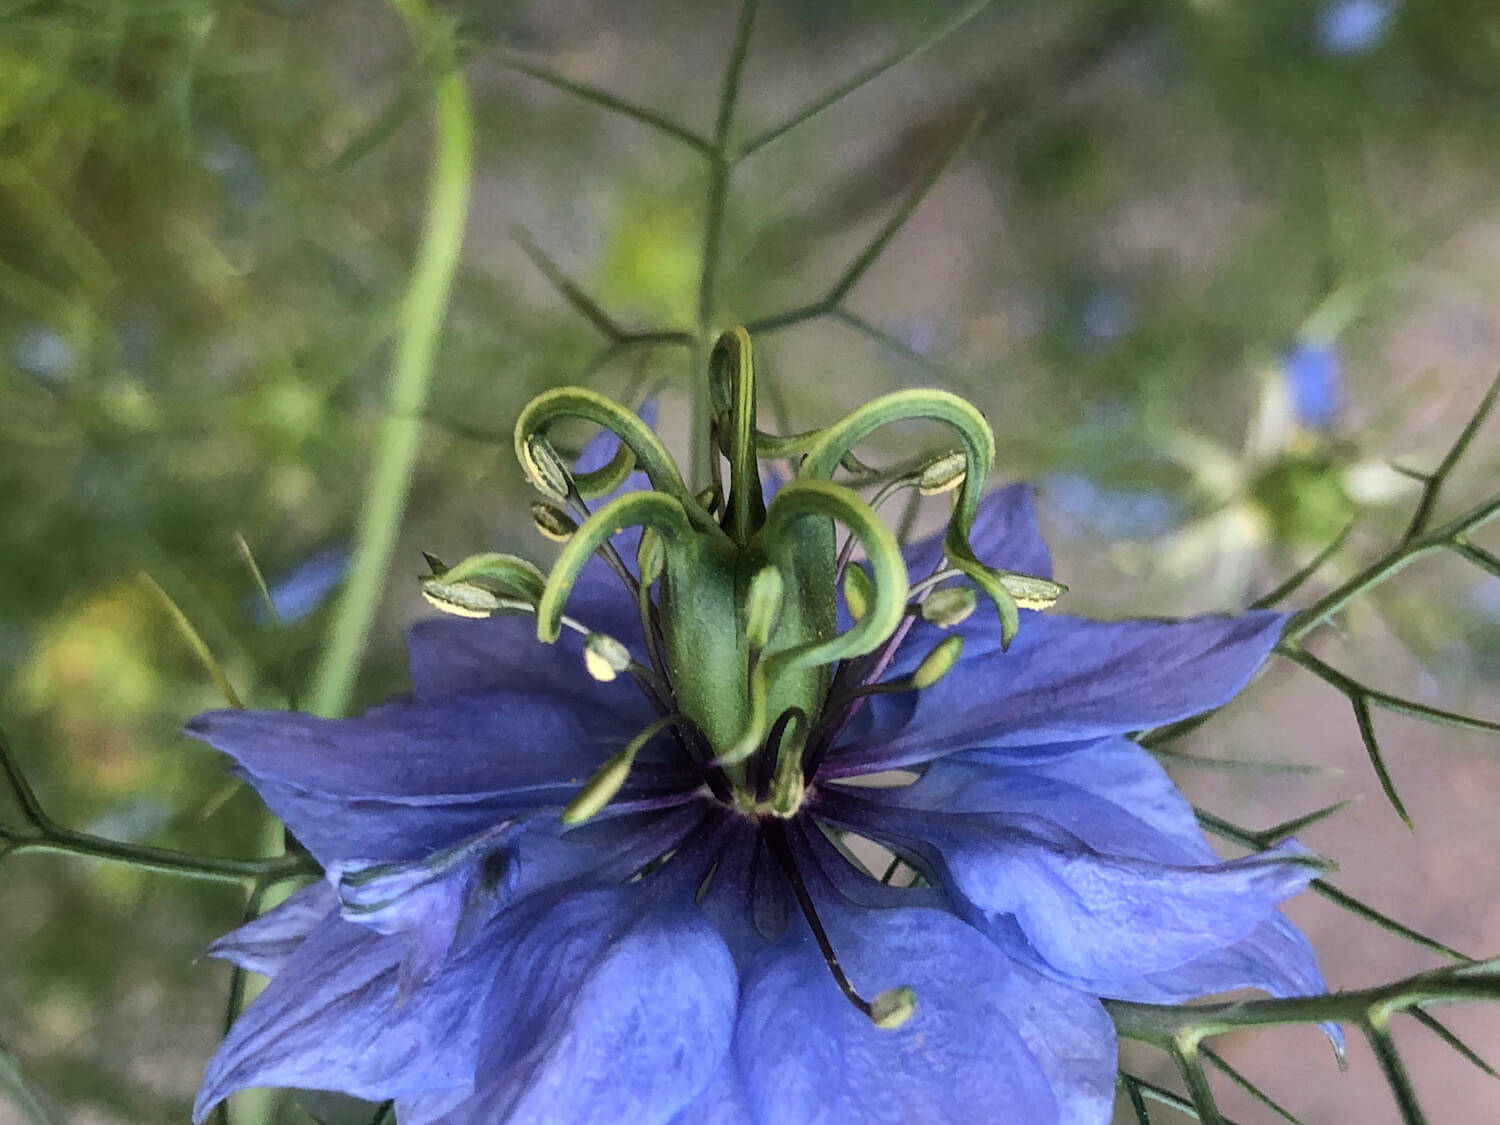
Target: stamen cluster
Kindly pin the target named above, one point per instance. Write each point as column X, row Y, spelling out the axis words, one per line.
column 749, row 673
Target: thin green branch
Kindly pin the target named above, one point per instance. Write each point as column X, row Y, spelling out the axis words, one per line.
column 1270, row 837
column 719, row 172
column 1432, row 487
column 1379, row 1036
column 196, row 642
column 1388, row 566
column 416, row 349
column 945, row 375
column 1481, row 558
column 612, row 102
column 1249, row 1087
column 1346, row 901
column 1185, row 1055
column 587, row 307
column 15, row 1091
column 1361, row 698
column 1248, row 839
column 1157, row 737
column 1139, row 1086
column 863, row 78
column 1137, row 1103
column 830, row 304
column 162, row 860
column 720, row 168
column 867, row 258
column 49, row 836
column 1431, row 1022
column 31, row 807
column 1242, row 765
column 1175, row 1027
column 1299, row 579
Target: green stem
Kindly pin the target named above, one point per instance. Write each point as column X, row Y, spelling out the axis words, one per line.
column 1170, row 1027
column 421, row 316
column 163, row 860
column 720, row 165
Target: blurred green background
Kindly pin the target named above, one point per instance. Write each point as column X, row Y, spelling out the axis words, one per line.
column 1211, row 267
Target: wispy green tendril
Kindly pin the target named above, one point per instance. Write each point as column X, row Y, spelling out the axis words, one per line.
column 421, row 318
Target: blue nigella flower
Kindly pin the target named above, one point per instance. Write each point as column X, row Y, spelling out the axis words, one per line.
column 305, row 587
column 1314, row 376
column 1352, row 27
column 637, row 895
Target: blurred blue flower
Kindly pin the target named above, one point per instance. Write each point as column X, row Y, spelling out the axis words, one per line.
column 303, row 589
column 1113, row 513
column 690, row 956
column 1107, row 315
column 1314, row 376
column 235, row 167
column 44, row 353
column 1352, row 27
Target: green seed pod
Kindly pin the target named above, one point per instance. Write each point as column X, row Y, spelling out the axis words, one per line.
column 946, row 608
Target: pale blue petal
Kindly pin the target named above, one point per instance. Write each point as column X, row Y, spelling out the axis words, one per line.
column 808, row 1056
column 437, row 903
column 1071, row 1037
column 264, row 944
column 1111, row 794
column 1086, row 913
column 336, row 1018
column 408, row 778
column 724, row 1102
column 611, row 1005
column 463, row 656
column 1005, row 535
column 1065, row 679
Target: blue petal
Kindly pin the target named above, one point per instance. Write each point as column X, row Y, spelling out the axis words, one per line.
column 806, row 1055
column 1065, row 679
column 1071, row 1037
column 724, row 1102
column 1111, row 794
column 335, row 1018
column 1005, row 535
column 1087, row 914
column 410, row 777
column 264, row 945
column 1275, row 958
column 463, row 656
column 437, row 902
column 611, row 1005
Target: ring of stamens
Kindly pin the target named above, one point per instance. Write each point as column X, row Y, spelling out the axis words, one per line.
column 747, row 672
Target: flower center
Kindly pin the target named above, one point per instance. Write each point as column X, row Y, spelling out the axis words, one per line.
column 740, row 600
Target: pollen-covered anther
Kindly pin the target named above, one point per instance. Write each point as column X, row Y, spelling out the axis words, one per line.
column 893, row 1007
column 938, row 663
column 943, row 474
column 604, row 657
column 606, row 782
column 544, row 468
column 554, row 523
column 949, row 607
column 859, row 592
column 462, row 599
